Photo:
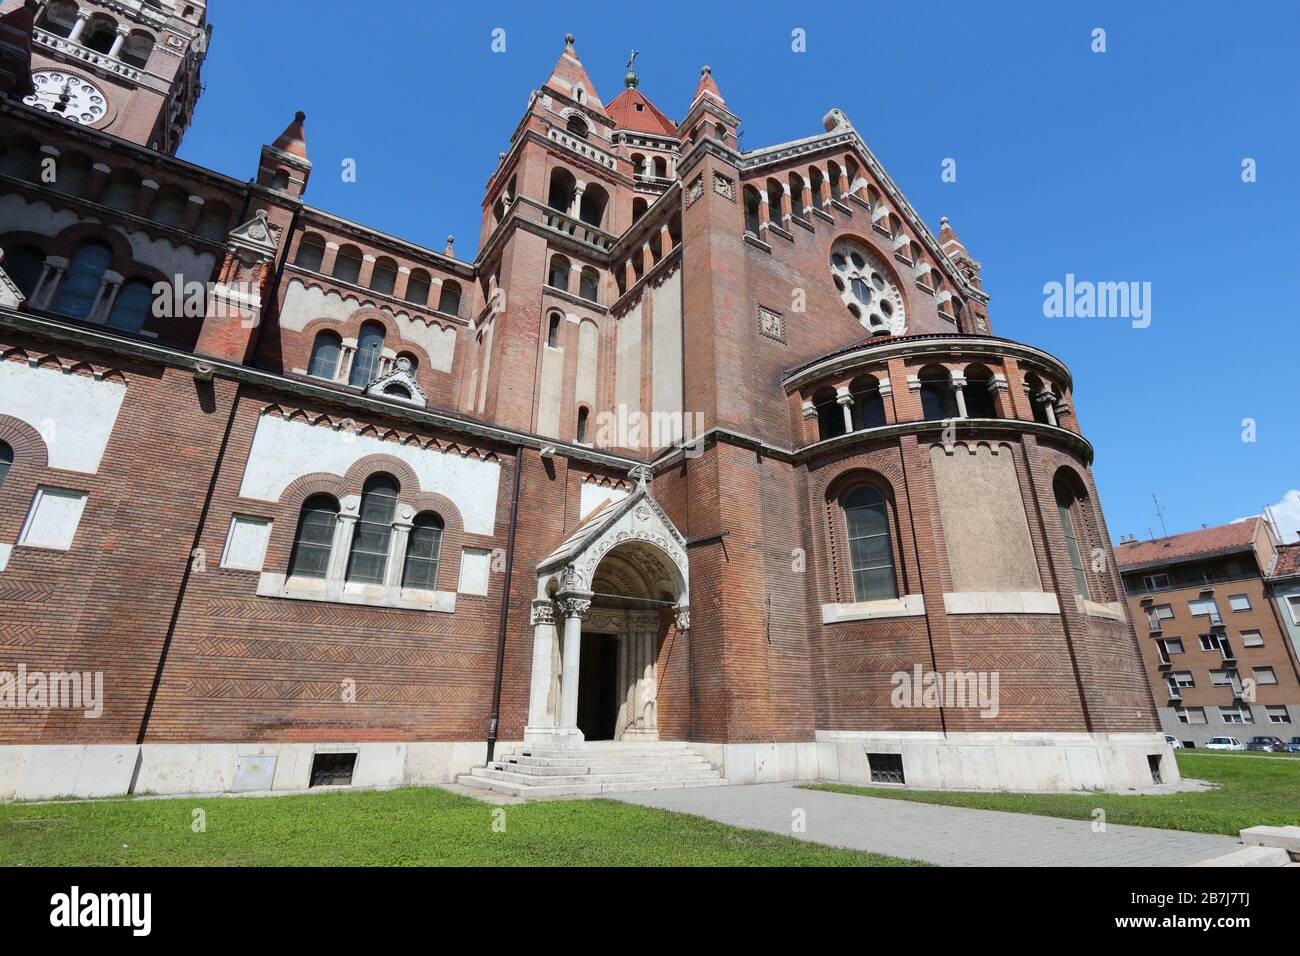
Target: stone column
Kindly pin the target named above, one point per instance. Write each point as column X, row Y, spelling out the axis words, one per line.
column 541, row 701
column 83, row 17
column 787, row 204
column 341, row 547
column 1048, row 401
column 51, row 276
column 959, row 392
column 846, row 402
column 574, row 606
column 397, row 542
column 575, row 207
column 118, row 42
column 114, row 281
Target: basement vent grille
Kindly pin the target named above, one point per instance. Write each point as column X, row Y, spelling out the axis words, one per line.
column 886, row 768
column 332, row 770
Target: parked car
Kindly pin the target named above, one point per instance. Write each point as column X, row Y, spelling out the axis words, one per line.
column 1173, row 742
column 1223, row 743
column 1266, row 745
column 1292, row 746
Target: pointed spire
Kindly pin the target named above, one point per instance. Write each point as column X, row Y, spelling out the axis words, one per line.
column 708, row 88
column 948, row 238
column 570, row 78
column 294, row 138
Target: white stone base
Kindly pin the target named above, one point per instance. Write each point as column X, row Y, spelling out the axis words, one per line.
column 553, row 737
column 1055, row 762
column 44, row 772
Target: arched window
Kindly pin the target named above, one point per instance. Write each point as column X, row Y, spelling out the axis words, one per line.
column 979, row 393
column 660, row 167
column 937, row 402
column 563, row 187
column 397, row 390
column 774, row 193
column 592, row 208
column 80, row 287
column 830, row 414
column 412, row 362
column 449, row 299
column 100, row 35
column 558, row 277
column 422, row 551
column 137, row 49
column 347, row 265
column 74, row 172
column 369, row 557
column 214, row 222
column 553, row 330
column 370, row 347
column 122, row 191
column 311, row 252
column 60, row 17
column 796, row 194
column 639, row 207
column 417, row 287
column 25, row 265
column 280, row 181
column 383, row 277
column 577, row 126
column 169, row 208
column 325, row 352
column 6, row 461
column 315, row 537
column 133, row 306
column 581, row 434
column 1070, row 506
column 752, row 217
column 589, row 284
column 639, row 165
column 21, row 157
column 1038, row 400
column 871, row 554
column 816, row 183
column 868, row 405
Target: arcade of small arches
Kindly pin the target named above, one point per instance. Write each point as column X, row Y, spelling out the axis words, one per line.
column 385, row 277
column 362, row 360
column 971, row 391
column 101, row 32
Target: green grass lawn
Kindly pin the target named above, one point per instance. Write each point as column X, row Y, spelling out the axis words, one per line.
column 1251, row 793
column 408, row 827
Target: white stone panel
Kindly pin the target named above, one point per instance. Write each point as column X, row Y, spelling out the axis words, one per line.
column 666, row 355
column 588, row 362
column 284, row 451
column 74, row 414
column 246, row 543
column 627, row 378
column 168, row 259
column 550, row 394
column 39, row 217
column 304, row 304
column 53, row 518
column 475, row 567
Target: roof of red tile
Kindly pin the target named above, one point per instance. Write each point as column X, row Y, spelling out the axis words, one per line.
column 294, row 138
column 1288, row 561
column 569, row 74
column 648, row 119
column 708, row 87
column 1177, row 547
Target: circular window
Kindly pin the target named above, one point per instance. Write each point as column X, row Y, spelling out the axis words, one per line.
column 864, row 284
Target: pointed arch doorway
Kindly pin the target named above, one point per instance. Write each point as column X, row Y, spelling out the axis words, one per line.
column 606, row 600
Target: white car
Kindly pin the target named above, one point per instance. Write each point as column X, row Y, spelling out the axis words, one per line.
column 1173, row 742
column 1224, row 743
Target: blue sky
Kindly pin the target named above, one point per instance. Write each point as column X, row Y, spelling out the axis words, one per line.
column 1117, row 166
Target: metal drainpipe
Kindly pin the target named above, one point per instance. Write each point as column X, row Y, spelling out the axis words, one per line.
column 495, row 721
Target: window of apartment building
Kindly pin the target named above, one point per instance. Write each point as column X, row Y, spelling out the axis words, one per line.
column 1157, row 614
column 1154, row 582
column 1190, row 715
column 1202, row 607
column 1278, row 715
column 1293, row 603
column 1222, row 677
column 1210, row 642
column 1172, row 645
column 1236, row 714
column 1252, row 639
column 1181, row 679
column 1239, row 602
column 1265, row 675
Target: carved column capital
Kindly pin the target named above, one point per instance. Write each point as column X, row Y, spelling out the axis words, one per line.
column 575, row 605
column 543, row 612
column 682, row 617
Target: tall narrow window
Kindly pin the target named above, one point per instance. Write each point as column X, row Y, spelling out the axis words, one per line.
column 830, row 414
column 369, row 556
column 558, row 278
column 6, row 461
column 311, row 252
column 132, row 306
column 1065, row 500
column 589, row 284
column 383, row 277
column 325, row 353
column 80, row 288
column 311, row 545
column 370, row 346
column 581, row 436
column 553, row 330
column 871, row 555
column 347, row 264
column 417, row 287
column 422, row 550
column 449, row 300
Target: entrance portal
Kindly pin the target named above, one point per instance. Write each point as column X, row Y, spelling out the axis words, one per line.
column 598, row 690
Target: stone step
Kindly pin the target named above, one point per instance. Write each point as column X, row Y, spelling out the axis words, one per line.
column 530, row 780
column 531, row 770
column 1249, row 856
column 596, row 762
column 580, row 789
column 592, row 750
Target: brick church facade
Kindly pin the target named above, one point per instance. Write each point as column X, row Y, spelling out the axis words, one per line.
column 704, row 445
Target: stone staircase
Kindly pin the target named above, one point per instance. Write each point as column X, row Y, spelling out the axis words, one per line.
column 590, row 769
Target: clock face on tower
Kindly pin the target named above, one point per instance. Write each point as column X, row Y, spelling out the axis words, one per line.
column 66, row 95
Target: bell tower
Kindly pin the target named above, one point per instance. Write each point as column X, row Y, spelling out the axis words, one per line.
column 130, row 69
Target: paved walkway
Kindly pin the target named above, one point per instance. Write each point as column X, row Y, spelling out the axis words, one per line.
column 948, row 836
